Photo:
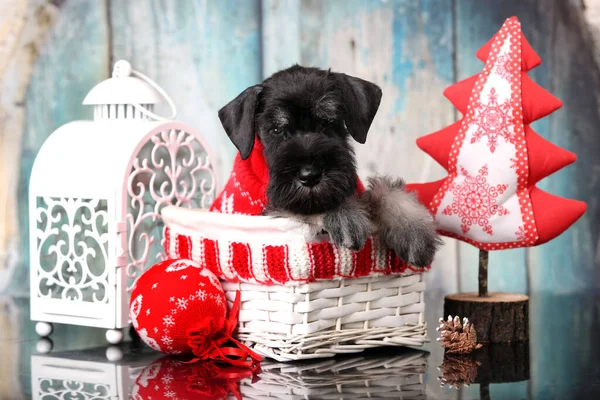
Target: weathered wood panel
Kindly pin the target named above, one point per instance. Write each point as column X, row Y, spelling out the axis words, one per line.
column 568, row 264
column 24, row 28
column 405, row 47
column 72, row 61
column 202, row 53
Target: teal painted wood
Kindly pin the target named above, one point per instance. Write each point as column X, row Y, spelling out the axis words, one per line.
column 73, row 60
column 203, row 53
column 557, row 369
column 406, row 48
column 281, row 30
column 570, row 262
column 513, row 391
column 476, row 23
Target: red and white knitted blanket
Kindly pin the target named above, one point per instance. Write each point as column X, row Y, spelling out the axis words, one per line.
column 238, row 244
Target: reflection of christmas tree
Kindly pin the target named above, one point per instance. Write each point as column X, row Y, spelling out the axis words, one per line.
column 494, row 159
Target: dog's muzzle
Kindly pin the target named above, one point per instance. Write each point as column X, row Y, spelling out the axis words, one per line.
column 309, row 175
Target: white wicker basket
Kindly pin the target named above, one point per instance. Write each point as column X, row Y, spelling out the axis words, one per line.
column 322, row 319
column 302, row 316
column 399, row 376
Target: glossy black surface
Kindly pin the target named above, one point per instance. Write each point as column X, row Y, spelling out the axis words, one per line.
column 563, row 365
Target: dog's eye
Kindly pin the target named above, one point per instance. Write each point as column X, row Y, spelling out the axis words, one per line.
column 277, row 131
column 327, row 125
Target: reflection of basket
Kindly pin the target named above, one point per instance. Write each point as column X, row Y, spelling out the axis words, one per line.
column 399, row 376
column 302, row 297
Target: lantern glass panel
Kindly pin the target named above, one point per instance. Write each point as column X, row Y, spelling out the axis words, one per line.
column 73, row 249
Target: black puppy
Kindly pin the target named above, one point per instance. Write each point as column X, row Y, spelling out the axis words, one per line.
column 304, row 118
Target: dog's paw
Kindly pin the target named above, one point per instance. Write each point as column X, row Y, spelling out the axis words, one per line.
column 404, row 224
column 349, row 226
column 422, row 249
column 416, row 246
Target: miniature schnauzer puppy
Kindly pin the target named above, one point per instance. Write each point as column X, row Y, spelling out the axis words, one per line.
column 305, row 117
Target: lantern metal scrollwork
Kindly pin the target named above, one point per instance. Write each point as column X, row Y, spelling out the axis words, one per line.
column 95, row 195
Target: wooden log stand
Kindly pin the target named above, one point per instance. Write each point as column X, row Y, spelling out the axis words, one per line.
column 497, row 317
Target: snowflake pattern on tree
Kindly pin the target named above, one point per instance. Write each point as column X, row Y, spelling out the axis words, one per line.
column 494, row 120
column 521, row 234
column 504, row 66
column 475, row 201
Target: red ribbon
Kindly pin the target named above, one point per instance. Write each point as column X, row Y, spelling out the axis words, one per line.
column 214, row 382
column 207, row 345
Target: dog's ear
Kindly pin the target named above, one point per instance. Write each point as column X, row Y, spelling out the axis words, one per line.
column 361, row 101
column 237, row 118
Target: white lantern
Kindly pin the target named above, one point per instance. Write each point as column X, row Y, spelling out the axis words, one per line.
column 95, row 195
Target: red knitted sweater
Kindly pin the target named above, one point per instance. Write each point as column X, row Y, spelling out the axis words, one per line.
column 246, row 190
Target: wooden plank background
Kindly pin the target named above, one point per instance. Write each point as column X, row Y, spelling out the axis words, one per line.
column 204, row 52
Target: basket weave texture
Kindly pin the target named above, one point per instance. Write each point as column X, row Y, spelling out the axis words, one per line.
column 322, row 319
column 399, row 376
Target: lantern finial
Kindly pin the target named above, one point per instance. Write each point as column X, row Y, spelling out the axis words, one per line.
column 128, row 94
column 122, row 68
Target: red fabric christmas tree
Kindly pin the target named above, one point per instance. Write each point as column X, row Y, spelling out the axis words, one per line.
column 493, row 157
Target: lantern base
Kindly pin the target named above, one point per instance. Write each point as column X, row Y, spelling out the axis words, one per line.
column 114, row 336
column 498, row 317
column 44, row 329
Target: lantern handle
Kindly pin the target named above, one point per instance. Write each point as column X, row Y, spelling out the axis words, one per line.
column 123, row 68
column 163, row 94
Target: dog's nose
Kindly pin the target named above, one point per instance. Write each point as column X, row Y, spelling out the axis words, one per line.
column 309, row 175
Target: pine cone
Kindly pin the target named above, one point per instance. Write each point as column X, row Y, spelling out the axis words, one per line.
column 458, row 370
column 457, row 338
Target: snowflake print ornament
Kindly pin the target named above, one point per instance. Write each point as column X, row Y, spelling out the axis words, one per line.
column 494, row 158
column 186, row 316
column 170, row 378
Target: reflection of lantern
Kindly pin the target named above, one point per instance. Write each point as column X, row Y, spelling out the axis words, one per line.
column 94, row 373
column 95, row 196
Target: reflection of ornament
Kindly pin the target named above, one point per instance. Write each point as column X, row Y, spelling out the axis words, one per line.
column 171, row 378
column 456, row 337
column 96, row 192
column 187, row 316
column 458, row 370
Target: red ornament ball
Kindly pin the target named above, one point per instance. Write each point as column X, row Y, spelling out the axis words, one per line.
column 178, row 307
